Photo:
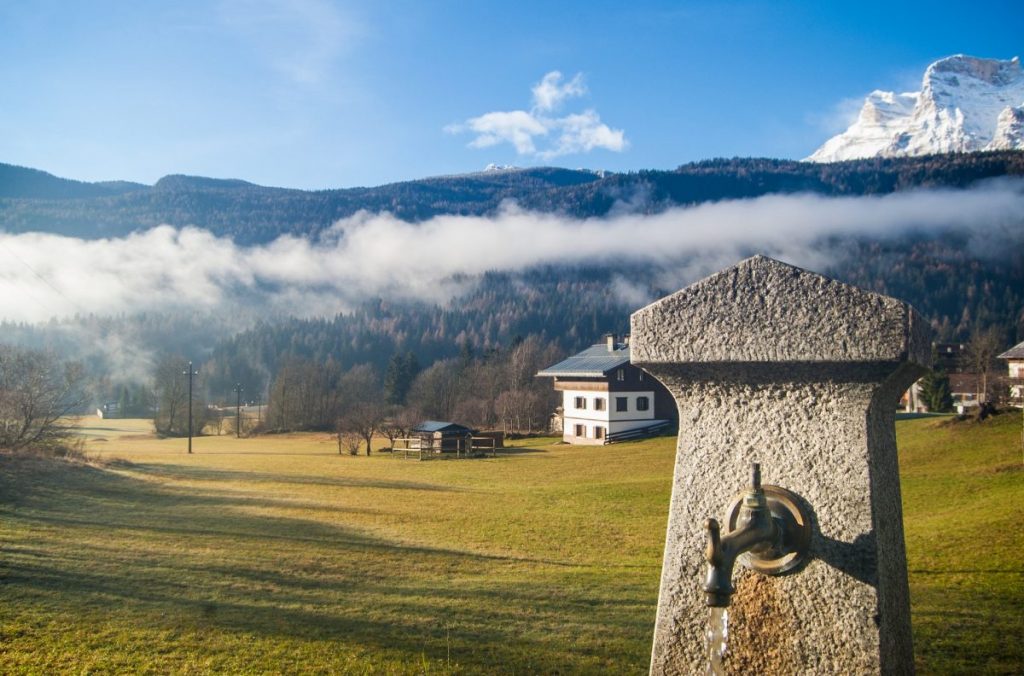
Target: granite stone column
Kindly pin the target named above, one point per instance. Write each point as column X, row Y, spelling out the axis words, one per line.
column 774, row 364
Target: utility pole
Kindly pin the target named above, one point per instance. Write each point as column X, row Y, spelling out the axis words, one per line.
column 238, row 410
column 190, row 373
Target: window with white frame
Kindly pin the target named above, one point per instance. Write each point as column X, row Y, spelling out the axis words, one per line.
column 581, row 430
column 599, row 404
column 642, row 403
column 581, row 403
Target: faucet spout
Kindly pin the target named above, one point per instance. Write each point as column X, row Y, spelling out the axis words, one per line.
column 756, row 530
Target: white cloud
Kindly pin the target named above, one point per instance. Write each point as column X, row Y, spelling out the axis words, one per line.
column 570, row 134
column 582, row 133
column 367, row 255
column 517, row 127
column 549, row 93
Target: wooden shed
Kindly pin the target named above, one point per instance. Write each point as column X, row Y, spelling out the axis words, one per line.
column 443, row 436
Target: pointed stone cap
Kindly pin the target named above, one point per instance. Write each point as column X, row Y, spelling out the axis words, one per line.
column 762, row 310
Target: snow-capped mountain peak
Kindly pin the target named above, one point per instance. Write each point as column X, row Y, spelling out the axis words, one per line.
column 965, row 104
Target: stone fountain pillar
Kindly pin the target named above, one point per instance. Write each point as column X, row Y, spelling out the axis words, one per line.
column 774, row 364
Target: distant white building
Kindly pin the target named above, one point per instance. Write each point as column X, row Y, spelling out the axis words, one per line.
column 1015, row 373
column 607, row 399
column 111, row 409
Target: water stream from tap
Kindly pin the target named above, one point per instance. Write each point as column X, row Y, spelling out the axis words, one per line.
column 717, row 636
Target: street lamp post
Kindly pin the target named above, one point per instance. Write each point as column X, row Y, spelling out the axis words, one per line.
column 238, row 410
column 190, row 372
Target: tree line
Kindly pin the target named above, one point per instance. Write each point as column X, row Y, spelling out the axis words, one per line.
column 493, row 389
column 496, row 389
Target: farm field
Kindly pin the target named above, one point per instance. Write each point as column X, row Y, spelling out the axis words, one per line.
column 277, row 554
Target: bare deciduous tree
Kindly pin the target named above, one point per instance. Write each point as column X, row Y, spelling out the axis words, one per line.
column 37, row 391
column 305, row 395
column 437, row 390
column 980, row 354
column 171, row 387
column 348, row 442
column 363, row 408
column 525, row 402
column 398, row 423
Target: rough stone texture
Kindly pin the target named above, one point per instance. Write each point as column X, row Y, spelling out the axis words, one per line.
column 774, row 364
column 762, row 310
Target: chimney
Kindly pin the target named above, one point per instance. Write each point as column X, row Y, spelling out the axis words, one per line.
column 611, row 341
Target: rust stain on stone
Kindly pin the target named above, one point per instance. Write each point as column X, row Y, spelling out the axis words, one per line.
column 761, row 630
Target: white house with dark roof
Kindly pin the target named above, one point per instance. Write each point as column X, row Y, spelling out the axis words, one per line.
column 1015, row 366
column 607, row 399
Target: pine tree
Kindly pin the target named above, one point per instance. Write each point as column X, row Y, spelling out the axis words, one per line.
column 935, row 392
column 401, row 371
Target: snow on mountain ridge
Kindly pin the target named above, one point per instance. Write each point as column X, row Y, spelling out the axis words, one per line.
column 965, row 103
column 1009, row 129
column 992, row 71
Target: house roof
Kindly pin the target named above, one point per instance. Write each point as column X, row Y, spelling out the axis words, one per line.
column 439, row 426
column 594, row 362
column 1015, row 352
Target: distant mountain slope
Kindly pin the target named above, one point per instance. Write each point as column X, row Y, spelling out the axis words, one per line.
column 22, row 182
column 180, row 182
column 252, row 214
column 740, row 178
column 965, row 104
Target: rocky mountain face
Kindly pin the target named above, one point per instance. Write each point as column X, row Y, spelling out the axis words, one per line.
column 965, row 104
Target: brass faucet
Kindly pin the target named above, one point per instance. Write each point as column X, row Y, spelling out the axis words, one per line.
column 770, row 525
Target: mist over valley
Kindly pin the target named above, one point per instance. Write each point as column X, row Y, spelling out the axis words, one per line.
column 504, row 254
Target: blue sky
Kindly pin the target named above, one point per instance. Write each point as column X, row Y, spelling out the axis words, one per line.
column 322, row 94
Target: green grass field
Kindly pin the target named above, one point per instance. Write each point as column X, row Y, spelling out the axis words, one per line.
column 276, row 554
column 963, row 510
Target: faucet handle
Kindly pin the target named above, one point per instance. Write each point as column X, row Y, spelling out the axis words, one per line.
column 713, row 552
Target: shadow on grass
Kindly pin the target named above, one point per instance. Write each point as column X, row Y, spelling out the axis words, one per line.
column 519, row 450
column 193, row 473
column 903, row 415
column 99, row 428
column 81, row 538
column 967, row 630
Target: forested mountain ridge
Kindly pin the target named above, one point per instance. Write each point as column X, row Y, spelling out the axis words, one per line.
column 738, row 178
column 24, row 183
column 250, row 213
column 31, row 200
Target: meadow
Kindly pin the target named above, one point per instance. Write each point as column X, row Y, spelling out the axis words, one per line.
column 277, row 554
